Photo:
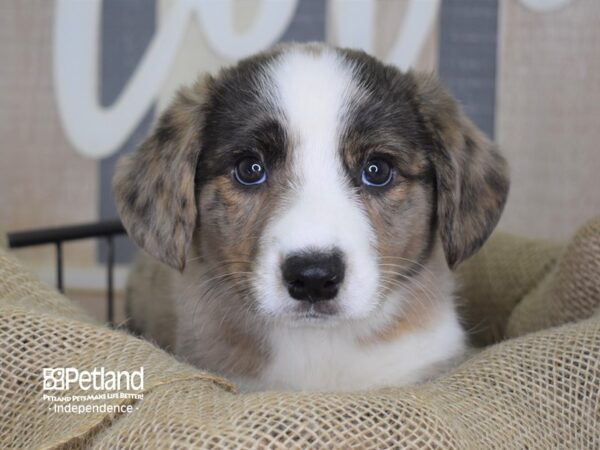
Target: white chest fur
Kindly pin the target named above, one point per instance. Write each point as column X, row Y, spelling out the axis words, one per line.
column 331, row 359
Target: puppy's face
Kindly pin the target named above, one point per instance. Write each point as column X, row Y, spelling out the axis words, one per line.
column 312, row 181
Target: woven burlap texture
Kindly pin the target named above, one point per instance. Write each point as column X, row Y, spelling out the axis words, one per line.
column 537, row 390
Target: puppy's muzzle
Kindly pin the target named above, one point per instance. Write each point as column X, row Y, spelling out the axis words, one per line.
column 313, row 276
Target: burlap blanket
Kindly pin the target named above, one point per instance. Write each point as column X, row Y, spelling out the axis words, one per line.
column 537, row 389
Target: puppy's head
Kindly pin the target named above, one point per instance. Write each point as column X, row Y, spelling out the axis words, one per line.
column 306, row 176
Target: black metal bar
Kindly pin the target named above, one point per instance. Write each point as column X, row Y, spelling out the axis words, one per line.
column 59, row 267
column 110, row 260
column 68, row 233
column 58, row 235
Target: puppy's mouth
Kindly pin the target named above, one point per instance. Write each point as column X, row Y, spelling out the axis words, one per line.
column 314, row 312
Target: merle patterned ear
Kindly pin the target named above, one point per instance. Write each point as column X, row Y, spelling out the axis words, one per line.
column 471, row 174
column 154, row 186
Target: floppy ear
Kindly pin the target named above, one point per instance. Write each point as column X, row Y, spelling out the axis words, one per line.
column 471, row 175
column 154, row 187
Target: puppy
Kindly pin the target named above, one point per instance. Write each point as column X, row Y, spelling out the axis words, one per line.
column 312, row 202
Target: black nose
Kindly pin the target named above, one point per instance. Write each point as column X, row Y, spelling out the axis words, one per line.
column 313, row 276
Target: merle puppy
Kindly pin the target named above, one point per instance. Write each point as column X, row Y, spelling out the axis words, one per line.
column 306, row 208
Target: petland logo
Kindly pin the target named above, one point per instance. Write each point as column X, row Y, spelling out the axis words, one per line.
column 99, row 379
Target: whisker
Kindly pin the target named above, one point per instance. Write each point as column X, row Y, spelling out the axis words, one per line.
column 426, row 270
column 411, row 261
column 206, row 297
column 414, row 295
column 423, row 287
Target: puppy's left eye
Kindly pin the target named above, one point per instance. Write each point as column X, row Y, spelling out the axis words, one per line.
column 250, row 171
column 377, row 172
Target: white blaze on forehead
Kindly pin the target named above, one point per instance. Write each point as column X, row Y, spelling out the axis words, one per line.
column 313, row 91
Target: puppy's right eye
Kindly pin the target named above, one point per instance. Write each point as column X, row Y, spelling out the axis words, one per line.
column 250, row 171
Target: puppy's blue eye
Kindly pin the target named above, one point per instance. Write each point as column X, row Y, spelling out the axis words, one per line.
column 249, row 171
column 377, row 172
